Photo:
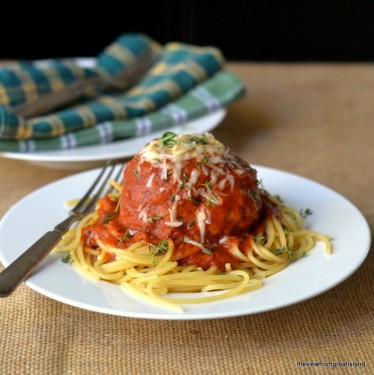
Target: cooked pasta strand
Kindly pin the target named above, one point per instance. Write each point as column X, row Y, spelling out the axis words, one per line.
column 152, row 275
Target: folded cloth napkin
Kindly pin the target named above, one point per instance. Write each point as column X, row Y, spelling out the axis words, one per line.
column 215, row 93
column 28, row 83
column 183, row 83
column 178, row 69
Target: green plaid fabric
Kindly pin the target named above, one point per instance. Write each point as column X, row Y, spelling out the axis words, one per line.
column 218, row 91
column 25, row 81
column 179, row 68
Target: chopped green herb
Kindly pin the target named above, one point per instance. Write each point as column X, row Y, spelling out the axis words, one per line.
column 253, row 194
column 167, row 139
column 66, row 259
column 125, row 236
column 279, row 198
column 136, row 173
column 212, row 200
column 305, row 212
column 191, row 223
column 172, row 198
column 279, row 251
column 208, row 185
column 198, row 140
column 183, row 183
column 109, row 217
column 260, row 239
column 290, row 253
column 161, row 247
column 205, row 160
column 154, row 218
column 207, row 250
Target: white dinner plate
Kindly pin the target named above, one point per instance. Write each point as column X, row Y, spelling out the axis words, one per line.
column 316, row 273
column 88, row 156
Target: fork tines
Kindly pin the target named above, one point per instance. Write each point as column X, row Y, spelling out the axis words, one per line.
column 95, row 191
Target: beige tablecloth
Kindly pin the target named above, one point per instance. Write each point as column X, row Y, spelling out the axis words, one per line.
column 315, row 120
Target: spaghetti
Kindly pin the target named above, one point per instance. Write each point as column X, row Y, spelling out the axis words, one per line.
column 181, row 224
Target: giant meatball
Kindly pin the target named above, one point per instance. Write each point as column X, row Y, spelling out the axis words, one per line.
column 191, row 188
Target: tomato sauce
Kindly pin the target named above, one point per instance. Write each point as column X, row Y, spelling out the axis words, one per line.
column 109, row 230
column 196, row 192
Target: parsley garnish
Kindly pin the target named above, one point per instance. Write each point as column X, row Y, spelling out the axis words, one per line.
column 208, row 185
column 185, row 181
column 154, row 218
column 260, row 239
column 124, row 237
column 198, row 140
column 212, row 200
column 305, row 212
column 191, row 223
column 161, row 247
column 167, row 139
column 253, row 194
column 66, row 259
column 279, row 251
column 289, row 253
column 110, row 216
column 206, row 250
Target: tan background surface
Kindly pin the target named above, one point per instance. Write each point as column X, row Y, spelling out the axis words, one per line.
column 313, row 120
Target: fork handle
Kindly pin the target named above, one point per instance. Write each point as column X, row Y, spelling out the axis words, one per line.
column 18, row 271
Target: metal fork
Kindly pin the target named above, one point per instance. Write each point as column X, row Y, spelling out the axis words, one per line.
column 25, row 264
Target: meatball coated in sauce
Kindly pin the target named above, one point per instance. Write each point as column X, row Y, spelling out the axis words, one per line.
column 190, row 188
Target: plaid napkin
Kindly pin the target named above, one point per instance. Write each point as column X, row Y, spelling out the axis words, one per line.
column 25, row 82
column 217, row 92
column 184, row 83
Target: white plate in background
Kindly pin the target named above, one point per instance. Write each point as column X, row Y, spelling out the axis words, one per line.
column 88, row 156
